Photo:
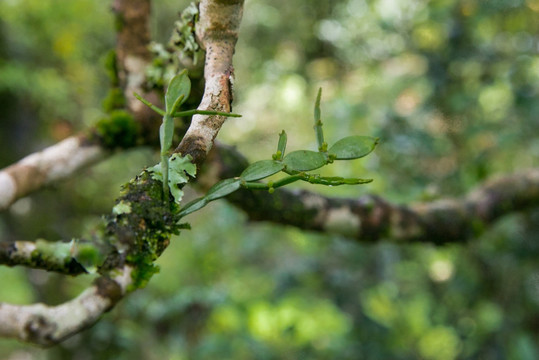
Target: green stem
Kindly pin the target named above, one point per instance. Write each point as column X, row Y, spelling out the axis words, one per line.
column 149, row 104
column 164, row 170
column 255, row 186
column 287, row 180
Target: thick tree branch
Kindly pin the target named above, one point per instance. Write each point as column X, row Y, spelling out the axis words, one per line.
column 372, row 218
column 42, row 168
column 48, row 325
column 133, row 55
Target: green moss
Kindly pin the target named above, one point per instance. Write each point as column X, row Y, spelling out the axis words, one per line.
column 118, row 130
column 143, row 232
column 143, row 271
column 88, row 255
column 119, row 22
column 54, row 256
column 114, row 100
column 111, row 67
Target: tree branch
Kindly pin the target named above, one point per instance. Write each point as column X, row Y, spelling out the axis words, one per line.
column 42, row 168
column 48, row 325
column 217, row 32
column 372, row 218
column 64, row 159
column 50, row 256
column 133, row 55
column 139, row 228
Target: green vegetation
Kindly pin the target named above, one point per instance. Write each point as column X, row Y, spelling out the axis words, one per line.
column 450, row 87
column 117, row 130
column 295, row 165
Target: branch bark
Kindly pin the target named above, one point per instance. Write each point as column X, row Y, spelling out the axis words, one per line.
column 48, row 325
column 42, row 168
column 217, row 32
column 133, row 55
column 50, row 256
column 372, row 218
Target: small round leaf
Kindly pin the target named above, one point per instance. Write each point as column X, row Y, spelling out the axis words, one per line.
column 261, row 169
column 223, row 188
column 304, row 160
column 353, row 147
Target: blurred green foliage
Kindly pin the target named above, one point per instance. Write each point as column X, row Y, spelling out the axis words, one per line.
column 450, row 87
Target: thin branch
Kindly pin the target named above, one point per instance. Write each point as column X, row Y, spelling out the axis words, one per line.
column 50, row 256
column 217, row 32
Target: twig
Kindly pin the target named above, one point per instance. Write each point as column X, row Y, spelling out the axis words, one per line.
column 217, row 32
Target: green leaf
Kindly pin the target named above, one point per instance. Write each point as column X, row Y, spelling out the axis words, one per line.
column 185, row 163
column 179, row 169
column 318, row 122
column 176, row 192
column 304, row 160
column 353, row 147
column 193, row 206
column 281, row 146
column 178, row 173
column 177, row 92
column 223, row 188
column 261, row 169
column 156, row 172
column 335, row 180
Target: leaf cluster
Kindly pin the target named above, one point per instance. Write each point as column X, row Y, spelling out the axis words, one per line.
column 174, row 178
column 295, row 165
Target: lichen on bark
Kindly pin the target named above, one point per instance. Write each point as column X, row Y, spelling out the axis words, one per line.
column 140, row 235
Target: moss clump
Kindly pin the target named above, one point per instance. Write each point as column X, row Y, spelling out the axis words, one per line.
column 111, row 67
column 143, row 271
column 118, row 130
column 119, row 22
column 55, row 256
column 114, row 100
column 143, row 233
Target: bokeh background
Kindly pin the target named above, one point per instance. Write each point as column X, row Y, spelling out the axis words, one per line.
column 450, row 86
